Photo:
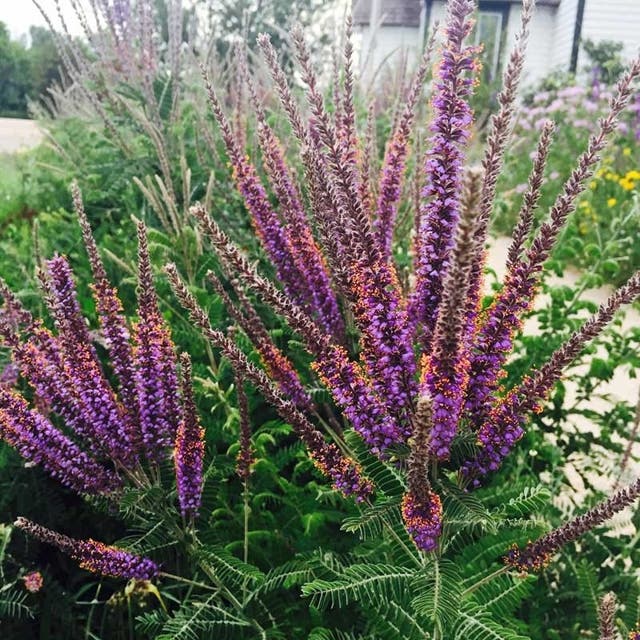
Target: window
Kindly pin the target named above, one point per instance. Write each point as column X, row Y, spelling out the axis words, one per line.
column 492, row 19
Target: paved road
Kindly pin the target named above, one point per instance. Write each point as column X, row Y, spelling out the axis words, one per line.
column 16, row 134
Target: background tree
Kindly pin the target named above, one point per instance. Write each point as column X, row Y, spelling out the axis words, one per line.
column 26, row 72
column 14, row 75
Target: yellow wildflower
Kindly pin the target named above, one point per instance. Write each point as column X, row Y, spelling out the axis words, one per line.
column 627, row 184
column 593, row 184
column 612, row 202
column 626, row 151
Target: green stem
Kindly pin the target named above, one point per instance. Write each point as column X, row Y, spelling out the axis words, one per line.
column 245, row 499
column 484, row 580
column 193, row 583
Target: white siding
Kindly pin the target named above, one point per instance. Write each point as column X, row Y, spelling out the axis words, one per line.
column 550, row 42
column 540, row 57
column 612, row 20
column 563, row 35
column 541, row 41
column 387, row 45
column 438, row 12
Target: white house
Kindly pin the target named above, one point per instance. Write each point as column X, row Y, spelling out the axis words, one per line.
column 390, row 27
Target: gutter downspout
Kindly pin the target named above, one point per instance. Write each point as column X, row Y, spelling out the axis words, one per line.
column 577, row 33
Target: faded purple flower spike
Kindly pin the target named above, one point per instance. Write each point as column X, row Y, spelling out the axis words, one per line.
column 606, row 616
column 266, row 221
column 245, row 454
column 189, row 448
column 394, row 163
column 492, row 162
column 344, row 378
column 345, row 473
column 39, row 442
column 421, row 507
column 441, row 209
column 275, row 362
column 372, row 284
column 94, row 556
column 537, row 555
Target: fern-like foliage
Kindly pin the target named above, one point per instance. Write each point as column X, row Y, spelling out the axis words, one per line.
column 13, row 603
column 205, row 619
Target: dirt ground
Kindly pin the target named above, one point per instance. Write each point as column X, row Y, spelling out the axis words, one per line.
column 17, row 134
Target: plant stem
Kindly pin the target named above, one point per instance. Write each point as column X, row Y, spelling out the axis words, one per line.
column 193, row 583
column 245, row 499
column 484, row 580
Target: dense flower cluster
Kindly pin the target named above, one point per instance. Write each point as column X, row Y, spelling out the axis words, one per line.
column 415, row 364
column 578, row 104
column 189, row 448
column 109, row 433
column 423, row 519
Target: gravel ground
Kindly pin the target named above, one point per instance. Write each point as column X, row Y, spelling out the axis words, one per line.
column 17, row 134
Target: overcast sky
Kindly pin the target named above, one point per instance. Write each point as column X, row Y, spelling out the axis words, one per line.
column 19, row 15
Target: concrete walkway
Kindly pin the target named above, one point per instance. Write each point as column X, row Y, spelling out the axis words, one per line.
column 621, row 387
column 595, row 469
column 18, row 135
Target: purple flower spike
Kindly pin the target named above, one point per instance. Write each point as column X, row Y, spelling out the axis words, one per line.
column 494, row 340
column 386, row 344
column 39, row 442
column 423, row 519
column 94, row 556
column 110, row 312
column 360, row 404
column 346, row 474
column 155, row 361
column 189, row 448
column 101, row 410
column 440, row 212
column 446, row 368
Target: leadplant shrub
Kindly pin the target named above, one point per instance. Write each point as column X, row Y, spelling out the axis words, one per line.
column 392, row 369
column 414, row 365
